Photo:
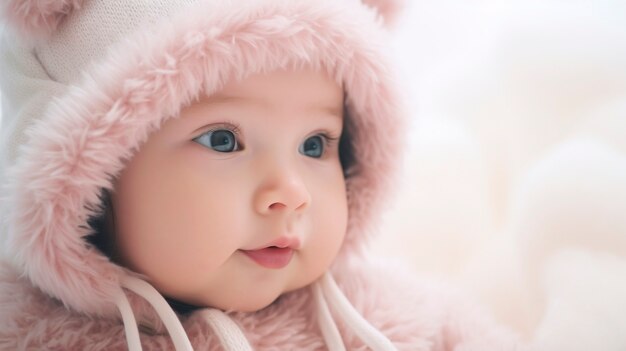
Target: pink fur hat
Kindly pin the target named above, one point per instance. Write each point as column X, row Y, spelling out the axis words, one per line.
column 80, row 100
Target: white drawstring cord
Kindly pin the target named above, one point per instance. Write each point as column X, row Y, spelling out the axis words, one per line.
column 365, row 331
column 169, row 318
column 130, row 324
column 229, row 334
column 227, row 331
column 325, row 321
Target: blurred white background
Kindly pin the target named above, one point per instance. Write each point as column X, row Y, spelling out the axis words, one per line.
column 515, row 183
column 515, row 180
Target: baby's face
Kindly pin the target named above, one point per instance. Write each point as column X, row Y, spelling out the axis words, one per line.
column 241, row 198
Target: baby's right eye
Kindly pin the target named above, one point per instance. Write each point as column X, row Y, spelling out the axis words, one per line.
column 220, row 140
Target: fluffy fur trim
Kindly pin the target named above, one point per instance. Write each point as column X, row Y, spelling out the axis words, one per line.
column 388, row 9
column 34, row 18
column 40, row 18
column 83, row 140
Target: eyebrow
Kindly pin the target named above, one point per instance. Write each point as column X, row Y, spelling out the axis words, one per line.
column 220, row 98
column 224, row 99
column 332, row 110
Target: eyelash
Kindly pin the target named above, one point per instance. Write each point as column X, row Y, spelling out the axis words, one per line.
column 230, row 126
column 329, row 140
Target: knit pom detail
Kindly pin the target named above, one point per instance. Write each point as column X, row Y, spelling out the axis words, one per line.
column 38, row 18
column 388, row 9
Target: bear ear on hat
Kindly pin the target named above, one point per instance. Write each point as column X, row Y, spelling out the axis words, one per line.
column 37, row 18
column 388, row 9
column 40, row 18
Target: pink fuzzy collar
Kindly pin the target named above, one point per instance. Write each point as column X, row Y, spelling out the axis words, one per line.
column 84, row 138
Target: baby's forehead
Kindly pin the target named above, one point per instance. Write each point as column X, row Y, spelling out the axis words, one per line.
column 304, row 90
column 333, row 107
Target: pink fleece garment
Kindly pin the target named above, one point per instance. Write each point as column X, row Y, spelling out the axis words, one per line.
column 57, row 292
column 416, row 316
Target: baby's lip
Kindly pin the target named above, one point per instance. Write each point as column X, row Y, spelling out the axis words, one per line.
column 291, row 242
column 276, row 254
column 271, row 257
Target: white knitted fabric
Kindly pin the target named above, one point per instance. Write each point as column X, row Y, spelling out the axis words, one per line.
column 33, row 73
column 87, row 33
column 26, row 90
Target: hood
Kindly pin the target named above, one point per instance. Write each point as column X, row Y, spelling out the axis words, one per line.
column 78, row 85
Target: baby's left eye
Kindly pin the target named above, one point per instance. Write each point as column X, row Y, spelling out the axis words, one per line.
column 221, row 140
column 312, row 146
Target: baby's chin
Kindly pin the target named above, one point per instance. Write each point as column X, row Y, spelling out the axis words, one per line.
column 256, row 295
column 251, row 306
column 252, row 301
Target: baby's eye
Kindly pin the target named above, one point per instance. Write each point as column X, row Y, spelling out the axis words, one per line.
column 312, row 146
column 220, row 140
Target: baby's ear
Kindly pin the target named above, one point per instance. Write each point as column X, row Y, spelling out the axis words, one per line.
column 37, row 18
column 388, row 9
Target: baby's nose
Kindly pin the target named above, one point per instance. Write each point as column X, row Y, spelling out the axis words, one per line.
column 284, row 190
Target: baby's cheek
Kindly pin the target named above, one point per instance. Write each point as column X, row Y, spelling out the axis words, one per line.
column 328, row 234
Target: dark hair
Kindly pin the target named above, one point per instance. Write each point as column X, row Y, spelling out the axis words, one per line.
column 103, row 225
column 346, row 152
column 103, row 238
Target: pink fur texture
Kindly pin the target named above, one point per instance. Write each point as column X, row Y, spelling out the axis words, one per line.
column 388, row 9
column 420, row 316
column 35, row 18
column 58, row 288
column 85, row 137
column 38, row 17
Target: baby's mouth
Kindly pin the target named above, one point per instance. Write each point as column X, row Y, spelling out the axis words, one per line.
column 272, row 257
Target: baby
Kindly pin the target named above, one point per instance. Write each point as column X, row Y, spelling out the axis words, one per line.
column 243, row 192
column 209, row 171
